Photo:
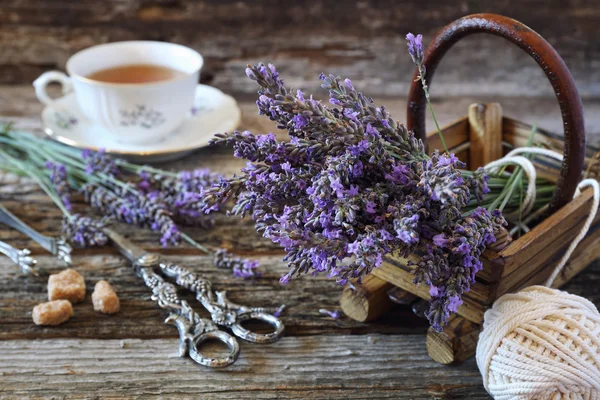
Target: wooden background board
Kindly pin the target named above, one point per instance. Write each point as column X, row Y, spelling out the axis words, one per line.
column 363, row 40
column 134, row 355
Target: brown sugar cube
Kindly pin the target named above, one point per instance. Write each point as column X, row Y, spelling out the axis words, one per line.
column 52, row 313
column 105, row 299
column 66, row 285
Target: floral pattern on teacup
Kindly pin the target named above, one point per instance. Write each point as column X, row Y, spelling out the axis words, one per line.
column 142, row 116
column 64, row 120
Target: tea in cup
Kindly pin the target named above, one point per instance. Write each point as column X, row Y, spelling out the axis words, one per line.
column 139, row 91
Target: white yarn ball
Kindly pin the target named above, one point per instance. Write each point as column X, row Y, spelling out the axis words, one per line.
column 541, row 343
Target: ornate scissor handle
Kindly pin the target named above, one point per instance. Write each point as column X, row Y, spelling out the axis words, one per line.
column 193, row 329
column 222, row 311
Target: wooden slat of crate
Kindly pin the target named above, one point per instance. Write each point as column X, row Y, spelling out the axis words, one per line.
column 543, row 236
column 517, row 134
column 479, row 292
column 455, row 134
column 471, row 310
column 529, row 272
column 543, row 246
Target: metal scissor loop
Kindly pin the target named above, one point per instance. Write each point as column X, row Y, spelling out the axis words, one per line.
column 222, row 311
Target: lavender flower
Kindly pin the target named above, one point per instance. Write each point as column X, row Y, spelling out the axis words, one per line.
column 85, row 231
column 135, row 208
column 415, row 47
column 241, row 267
column 58, row 177
column 182, row 195
column 277, row 313
column 99, row 161
column 331, row 314
column 353, row 185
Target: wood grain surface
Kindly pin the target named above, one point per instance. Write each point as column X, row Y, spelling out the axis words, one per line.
column 362, row 40
column 133, row 354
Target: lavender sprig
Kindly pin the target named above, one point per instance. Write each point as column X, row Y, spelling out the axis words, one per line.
column 416, row 51
column 241, row 267
column 58, row 177
column 85, row 231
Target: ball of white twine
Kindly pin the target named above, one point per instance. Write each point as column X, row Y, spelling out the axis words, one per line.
column 543, row 343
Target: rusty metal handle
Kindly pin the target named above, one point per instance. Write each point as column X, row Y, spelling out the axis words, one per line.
column 554, row 67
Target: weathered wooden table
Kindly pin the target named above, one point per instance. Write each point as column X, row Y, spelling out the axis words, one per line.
column 134, row 355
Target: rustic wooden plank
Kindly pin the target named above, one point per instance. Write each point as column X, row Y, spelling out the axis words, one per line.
column 140, row 317
column 362, row 40
column 326, row 367
column 485, row 134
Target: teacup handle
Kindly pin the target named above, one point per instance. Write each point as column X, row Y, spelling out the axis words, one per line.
column 41, row 83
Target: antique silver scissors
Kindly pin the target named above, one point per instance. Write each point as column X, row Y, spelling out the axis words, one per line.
column 194, row 329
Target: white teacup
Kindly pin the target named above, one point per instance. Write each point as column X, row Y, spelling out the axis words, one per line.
column 135, row 113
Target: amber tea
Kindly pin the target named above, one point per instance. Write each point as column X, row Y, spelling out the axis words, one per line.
column 135, row 73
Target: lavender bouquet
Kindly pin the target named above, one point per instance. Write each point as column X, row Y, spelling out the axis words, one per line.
column 353, row 185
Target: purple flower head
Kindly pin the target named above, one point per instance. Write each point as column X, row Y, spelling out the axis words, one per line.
column 240, row 267
column 370, row 207
column 415, row 47
column 99, row 162
column 348, row 83
column 335, row 102
column 59, row 179
column 279, row 311
column 85, row 231
column 336, row 186
column 440, row 240
column 447, row 160
column 300, row 122
column 250, row 74
column 285, row 279
column 353, row 191
column 453, row 303
column 371, row 131
column 332, row 314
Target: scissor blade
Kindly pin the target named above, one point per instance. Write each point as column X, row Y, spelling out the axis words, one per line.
column 130, row 250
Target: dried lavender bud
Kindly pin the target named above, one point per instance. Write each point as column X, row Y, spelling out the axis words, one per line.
column 415, row 47
column 332, row 314
column 85, row 231
column 58, row 176
column 181, row 195
column 99, row 161
column 277, row 313
column 241, row 267
column 136, row 209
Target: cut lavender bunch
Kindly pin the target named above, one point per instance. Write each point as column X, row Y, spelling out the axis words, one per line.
column 353, row 185
column 134, row 194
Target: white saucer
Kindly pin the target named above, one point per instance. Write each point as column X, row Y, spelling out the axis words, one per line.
column 213, row 112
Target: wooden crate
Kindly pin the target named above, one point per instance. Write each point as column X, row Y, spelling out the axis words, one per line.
column 485, row 135
column 526, row 261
